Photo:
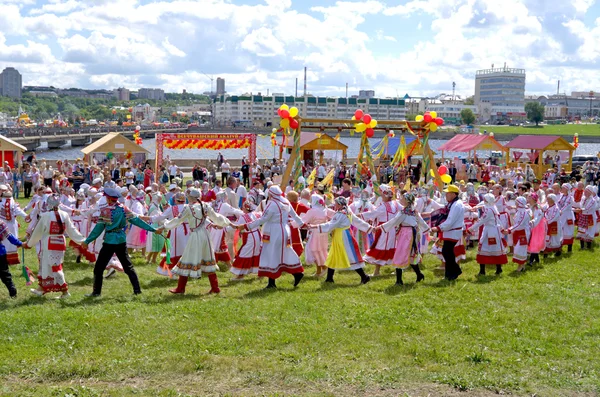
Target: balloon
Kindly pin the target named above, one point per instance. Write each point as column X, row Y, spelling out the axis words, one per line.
column 358, row 114
column 370, row 132
column 443, row 170
column 274, row 130
column 367, row 118
column 294, row 124
column 284, row 107
column 284, row 123
column 137, row 128
column 419, row 118
column 360, row 127
column 391, row 134
column 373, row 123
column 433, row 114
column 353, row 117
column 427, row 118
column 273, row 136
column 438, row 120
column 433, row 127
column 446, row 178
column 293, row 111
column 279, row 112
column 284, row 113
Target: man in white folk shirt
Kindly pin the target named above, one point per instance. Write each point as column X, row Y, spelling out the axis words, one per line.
column 321, row 172
column 452, row 230
column 233, row 199
column 172, row 172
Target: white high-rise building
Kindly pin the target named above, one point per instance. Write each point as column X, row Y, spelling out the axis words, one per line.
column 500, row 93
column 11, row 83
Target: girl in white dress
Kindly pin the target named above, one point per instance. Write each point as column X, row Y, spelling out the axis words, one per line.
column 554, row 232
column 248, row 257
column 521, row 232
column 316, row 244
column 491, row 249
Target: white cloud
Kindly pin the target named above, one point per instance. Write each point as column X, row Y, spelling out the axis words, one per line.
column 57, row 6
column 171, row 49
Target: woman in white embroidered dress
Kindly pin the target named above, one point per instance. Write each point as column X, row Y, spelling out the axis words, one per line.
column 567, row 217
column 554, row 232
column 248, row 257
column 521, row 232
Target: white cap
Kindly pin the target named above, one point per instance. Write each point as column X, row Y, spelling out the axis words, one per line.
column 172, row 186
column 96, row 181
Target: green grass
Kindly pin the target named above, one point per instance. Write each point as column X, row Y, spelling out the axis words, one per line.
column 567, row 129
column 537, row 332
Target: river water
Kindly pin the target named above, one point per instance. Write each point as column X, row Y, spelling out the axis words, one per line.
column 265, row 150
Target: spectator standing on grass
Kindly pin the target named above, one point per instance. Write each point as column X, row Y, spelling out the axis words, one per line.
column 225, row 171
column 27, row 178
column 172, row 172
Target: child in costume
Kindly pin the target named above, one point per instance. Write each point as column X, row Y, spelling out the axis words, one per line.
column 5, row 275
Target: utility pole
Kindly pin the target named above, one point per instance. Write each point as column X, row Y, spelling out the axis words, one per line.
column 212, row 101
column 453, row 89
column 591, row 99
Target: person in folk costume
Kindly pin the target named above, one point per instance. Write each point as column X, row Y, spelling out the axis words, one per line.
column 451, row 231
column 577, row 198
column 491, row 248
column 248, row 257
column 501, row 207
column 471, row 200
column 567, row 216
column 112, row 221
column 383, row 248
column 586, row 225
column 178, row 236
column 537, row 242
column 50, row 230
column 198, row 256
column 277, row 255
column 317, row 243
column 554, row 236
column 81, row 224
column 521, row 232
column 9, row 211
column 597, row 229
column 344, row 253
column 425, row 205
column 154, row 242
column 218, row 233
column 136, row 237
column 300, row 209
column 409, row 226
column 5, row 275
column 358, row 207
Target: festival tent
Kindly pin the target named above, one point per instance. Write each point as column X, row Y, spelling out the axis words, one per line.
column 115, row 144
column 413, row 146
column 311, row 142
column 10, row 151
column 467, row 143
column 536, row 145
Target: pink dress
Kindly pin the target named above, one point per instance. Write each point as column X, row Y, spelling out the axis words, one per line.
column 136, row 237
column 537, row 243
column 315, row 252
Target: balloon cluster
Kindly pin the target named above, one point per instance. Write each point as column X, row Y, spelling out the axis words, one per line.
column 136, row 135
column 129, row 155
column 391, row 134
column 576, row 140
column 431, row 120
column 288, row 117
column 367, row 123
column 273, row 136
column 130, row 110
column 443, row 171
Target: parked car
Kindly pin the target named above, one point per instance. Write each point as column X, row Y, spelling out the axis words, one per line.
column 581, row 160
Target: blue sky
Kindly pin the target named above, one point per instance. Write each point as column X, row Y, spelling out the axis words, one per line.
column 417, row 47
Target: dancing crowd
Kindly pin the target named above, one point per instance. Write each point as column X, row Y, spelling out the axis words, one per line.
column 194, row 229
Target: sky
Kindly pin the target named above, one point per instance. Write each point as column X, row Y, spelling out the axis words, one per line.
column 414, row 47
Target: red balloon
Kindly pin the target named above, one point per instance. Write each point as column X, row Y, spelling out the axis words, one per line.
column 367, row 118
column 427, row 118
column 284, row 113
column 439, row 121
column 279, row 112
column 358, row 114
column 294, row 123
column 442, row 170
column 370, row 132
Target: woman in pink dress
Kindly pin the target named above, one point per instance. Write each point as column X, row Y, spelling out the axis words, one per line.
column 148, row 176
column 315, row 252
column 537, row 243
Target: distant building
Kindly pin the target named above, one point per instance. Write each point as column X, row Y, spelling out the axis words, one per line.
column 450, row 112
column 11, row 83
column 500, row 94
column 366, row 94
column 39, row 94
column 220, row 86
column 89, row 94
column 260, row 110
column 121, row 94
column 151, row 93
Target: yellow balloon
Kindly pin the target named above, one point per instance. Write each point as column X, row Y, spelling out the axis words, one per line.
column 433, row 127
column 433, row 114
column 284, row 106
column 419, row 118
column 293, row 111
column 284, row 123
column 353, row 117
column 361, row 127
column 431, row 173
column 446, row 178
column 373, row 123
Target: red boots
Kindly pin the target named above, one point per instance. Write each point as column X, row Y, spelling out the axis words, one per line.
column 181, row 283
column 214, row 283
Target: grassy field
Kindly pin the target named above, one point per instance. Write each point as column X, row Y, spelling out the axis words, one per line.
column 566, row 129
column 537, row 332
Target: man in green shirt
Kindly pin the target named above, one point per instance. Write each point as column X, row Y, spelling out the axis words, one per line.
column 112, row 221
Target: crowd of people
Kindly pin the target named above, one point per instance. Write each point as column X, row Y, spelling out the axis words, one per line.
column 242, row 221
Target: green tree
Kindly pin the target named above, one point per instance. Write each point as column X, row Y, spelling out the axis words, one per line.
column 535, row 112
column 467, row 116
column 470, row 100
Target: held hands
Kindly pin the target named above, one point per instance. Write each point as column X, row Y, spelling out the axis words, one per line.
column 505, row 232
column 84, row 246
column 435, row 229
column 25, row 246
column 160, row 230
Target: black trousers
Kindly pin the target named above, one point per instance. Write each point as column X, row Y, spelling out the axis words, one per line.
column 452, row 268
column 27, row 189
column 106, row 252
column 224, row 176
column 6, row 277
column 247, row 180
column 48, row 182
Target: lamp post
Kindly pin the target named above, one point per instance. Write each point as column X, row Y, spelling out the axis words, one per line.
column 591, row 99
